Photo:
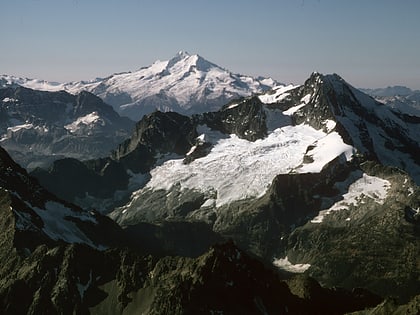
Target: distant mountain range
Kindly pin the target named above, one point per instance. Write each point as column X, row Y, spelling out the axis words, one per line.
column 396, row 90
column 38, row 127
column 186, row 84
column 400, row 98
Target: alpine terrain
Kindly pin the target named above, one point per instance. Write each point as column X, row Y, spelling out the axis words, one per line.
column 185, row 84
column 303, row 199
column 38, row 127
column 400, row 98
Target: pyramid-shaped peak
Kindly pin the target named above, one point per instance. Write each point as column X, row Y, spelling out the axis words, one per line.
column 191, row 60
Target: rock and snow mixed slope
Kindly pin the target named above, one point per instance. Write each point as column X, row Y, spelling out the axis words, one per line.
column 38, row 127
column 302, row 130
column 40, row 217
column 186, row 84
column 278, row 173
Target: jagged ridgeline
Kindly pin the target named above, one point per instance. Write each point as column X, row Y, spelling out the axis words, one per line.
column 318, row 179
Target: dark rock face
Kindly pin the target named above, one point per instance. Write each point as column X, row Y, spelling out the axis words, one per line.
column 40, row 127
column 246, row 120
column 73, row 179
column 156, row 134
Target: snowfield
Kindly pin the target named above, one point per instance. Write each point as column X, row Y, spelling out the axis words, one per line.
column 285, row 264
column 237, row 169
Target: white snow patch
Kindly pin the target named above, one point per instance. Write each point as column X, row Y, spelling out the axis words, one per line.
column 276, row 94
column 326, row 149
column 18, row 127
column 373, row 187
column 233, row 105
column 293, row 109
column 85, row 120
column 285, row 264
column 58, row 227
column 330, row 124
column 9, row 100
column 209, row 203
column 306, row 98
column 192, row 150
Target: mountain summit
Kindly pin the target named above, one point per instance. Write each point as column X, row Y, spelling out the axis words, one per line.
column 185, row 83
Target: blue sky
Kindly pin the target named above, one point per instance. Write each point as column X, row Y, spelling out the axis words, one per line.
column 370, row 43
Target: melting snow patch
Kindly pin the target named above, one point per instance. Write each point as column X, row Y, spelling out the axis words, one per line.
column 293, row 109
column 285, row 264
column 85, row 120
column 306, row 98
column 233, row 105
column 9, row 100
column 277, row 94
column 373, row 187
column 18, row 127
column 58, row 224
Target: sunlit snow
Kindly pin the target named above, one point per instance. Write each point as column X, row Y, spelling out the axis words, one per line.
column 324, row 151
column 85, row 120
column 235, row 168
column 277, row 94
column 373, row 187
column 285, row 264
column 18, row 127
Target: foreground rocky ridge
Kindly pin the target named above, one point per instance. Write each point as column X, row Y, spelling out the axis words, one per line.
column 91, row 266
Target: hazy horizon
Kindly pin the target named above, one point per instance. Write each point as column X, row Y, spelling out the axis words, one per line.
column 370, row 44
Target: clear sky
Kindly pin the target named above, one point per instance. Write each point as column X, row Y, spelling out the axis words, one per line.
column 370, row 43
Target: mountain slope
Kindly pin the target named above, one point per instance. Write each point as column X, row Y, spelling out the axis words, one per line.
column 39, row 217
column 185, row 84
column 39, row 127
column 59, row 259
column 264, row 170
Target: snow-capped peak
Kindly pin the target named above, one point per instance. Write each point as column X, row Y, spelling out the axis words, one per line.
column 186, row 83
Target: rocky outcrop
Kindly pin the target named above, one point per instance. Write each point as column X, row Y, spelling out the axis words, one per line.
column 155, row 135
column 246, row 119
